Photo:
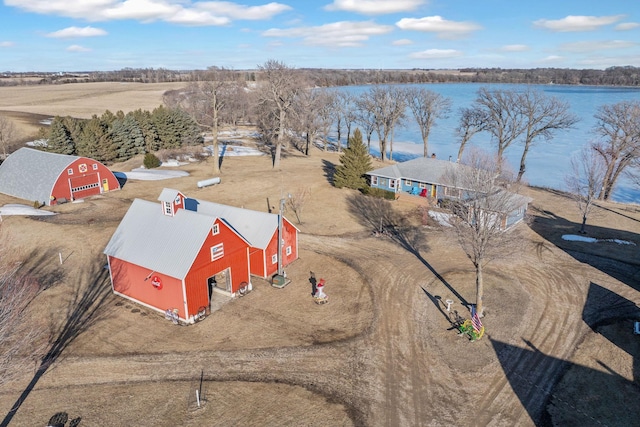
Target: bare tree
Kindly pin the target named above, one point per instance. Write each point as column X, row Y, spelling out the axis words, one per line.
column 365, row 118
column 297, row 200
column 479, row 214
column 277, row 94
column 306, row 118
column 619, row 128
column 427, row 106
column 22, row 339
column 543, row 115
column 8, row 134
column 326, row 114
column 584, row 181
column 204, row 100
column 471, row 122
column 348, row 110
column 502, row 117
column 387, row 107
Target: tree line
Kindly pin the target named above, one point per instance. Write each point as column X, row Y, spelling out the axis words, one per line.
column 327, row 77
column 118, row 137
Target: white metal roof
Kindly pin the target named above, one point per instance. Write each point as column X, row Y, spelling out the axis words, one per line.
column 31, row 174
column 256, row 227
column 161, row 243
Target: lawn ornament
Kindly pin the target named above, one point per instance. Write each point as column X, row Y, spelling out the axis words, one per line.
column 320, row 297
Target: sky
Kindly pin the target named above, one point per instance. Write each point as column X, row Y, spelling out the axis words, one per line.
column 104, row 35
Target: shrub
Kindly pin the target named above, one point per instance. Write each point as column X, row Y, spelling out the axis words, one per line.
column 379, row 193
column 151, row 161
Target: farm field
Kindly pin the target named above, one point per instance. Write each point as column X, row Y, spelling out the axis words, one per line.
column 559, row 347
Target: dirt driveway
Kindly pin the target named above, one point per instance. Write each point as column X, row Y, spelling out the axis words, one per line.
column 381, row 353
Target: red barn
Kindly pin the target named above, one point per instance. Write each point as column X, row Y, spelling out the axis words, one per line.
column 260, row 229
column 177, row 255
column 45, row 177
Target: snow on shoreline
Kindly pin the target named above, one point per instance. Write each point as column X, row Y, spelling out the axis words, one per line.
column 575, row 238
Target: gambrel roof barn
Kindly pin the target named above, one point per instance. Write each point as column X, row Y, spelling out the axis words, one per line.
column 48, row 178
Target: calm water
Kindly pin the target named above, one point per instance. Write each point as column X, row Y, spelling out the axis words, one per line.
column 547, row 162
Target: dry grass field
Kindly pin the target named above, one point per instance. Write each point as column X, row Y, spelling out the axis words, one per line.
column 559, row 347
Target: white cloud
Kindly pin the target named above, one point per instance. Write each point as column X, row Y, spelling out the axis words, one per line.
column 77, row 48
column 375, row 7
column 552, row 58
column 436, row 54
column 174, row 11
column 514, row 48
column 402, row 42
column 577, row 23
column 625, row 26
column 72, row 32
column 6, row 44
column 337, row 34
column 435, row 24
column 237, row 11
column 594, row 45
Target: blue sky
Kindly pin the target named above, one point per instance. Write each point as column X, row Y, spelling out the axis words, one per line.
column 86, row 35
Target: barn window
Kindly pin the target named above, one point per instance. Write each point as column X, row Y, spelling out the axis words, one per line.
column 274, row 258
column 215, row 229
column 217, row 251
column 167, row 208
column 70, row 171
column 374, row 180
column 288, row 250
column 95, row 166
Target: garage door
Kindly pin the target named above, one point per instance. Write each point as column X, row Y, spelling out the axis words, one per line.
column 85, row 186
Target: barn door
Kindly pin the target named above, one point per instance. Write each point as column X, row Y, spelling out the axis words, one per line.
column 221, row 281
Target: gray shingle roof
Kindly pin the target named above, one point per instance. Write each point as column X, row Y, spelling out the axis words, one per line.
column 30, row 174
column 161, row 243
column 422, row 169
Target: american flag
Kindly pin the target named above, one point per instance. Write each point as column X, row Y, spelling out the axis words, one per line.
column 475, row 319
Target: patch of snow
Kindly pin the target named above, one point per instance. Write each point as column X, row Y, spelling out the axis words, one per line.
column 441, row 217
column 234, row 150
column 150, row 174
column 574, row 238
column 18, row 209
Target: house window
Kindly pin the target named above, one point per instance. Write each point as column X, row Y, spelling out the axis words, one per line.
column 178, row 200
column 274, row 258
column 70, row 171
column 167, row 208
column 217, row 251
column 288, row 250
column 408, row 182
column 95, row 166
column 392, row 183
column 215, row 229
column 374, row 180
column 422, row 185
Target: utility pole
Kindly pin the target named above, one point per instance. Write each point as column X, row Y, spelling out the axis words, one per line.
column 280, row 272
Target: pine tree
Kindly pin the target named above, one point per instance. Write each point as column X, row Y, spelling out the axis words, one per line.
column 60, row 140
column 355, row 162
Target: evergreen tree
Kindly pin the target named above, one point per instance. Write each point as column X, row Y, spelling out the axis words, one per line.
column 127, row 138
column 149, row 131
column 355, row 162
column 60, row 140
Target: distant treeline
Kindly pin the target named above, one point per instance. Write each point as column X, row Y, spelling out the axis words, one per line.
column 118, row 137
column 613, row 76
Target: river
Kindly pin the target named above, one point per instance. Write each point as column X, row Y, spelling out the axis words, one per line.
column 547, row 161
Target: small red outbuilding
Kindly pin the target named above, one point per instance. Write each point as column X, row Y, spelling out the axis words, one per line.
column 40, row 176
